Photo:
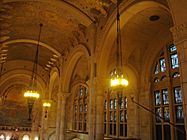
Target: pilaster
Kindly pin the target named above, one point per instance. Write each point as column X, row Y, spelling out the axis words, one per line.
column 62, row 131
column 58, row 116
column 100, row 90
column 91, row 33
column 146, row 123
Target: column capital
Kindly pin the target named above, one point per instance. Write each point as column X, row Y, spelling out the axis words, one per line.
column 179, row 33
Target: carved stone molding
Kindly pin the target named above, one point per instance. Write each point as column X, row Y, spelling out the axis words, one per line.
column 179, row 33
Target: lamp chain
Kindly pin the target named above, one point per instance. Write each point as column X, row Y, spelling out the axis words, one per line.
column 119, row 49
column 34, row 71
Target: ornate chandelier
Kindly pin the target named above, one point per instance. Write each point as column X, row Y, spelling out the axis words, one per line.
column 118, row 81
column 32, row 94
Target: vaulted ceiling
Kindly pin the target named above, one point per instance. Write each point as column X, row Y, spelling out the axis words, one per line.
column 64, row 26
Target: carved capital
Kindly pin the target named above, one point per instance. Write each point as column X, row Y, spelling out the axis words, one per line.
column 179, row 33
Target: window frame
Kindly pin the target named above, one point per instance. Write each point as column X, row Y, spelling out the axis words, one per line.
column 169, row 83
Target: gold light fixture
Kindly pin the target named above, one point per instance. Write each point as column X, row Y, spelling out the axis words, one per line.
column 32, row 94
column 46, row 104
column 118, row 81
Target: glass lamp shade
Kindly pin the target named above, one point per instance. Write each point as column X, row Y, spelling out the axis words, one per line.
column 31, row 94
column 46, row 104
column 117, row 80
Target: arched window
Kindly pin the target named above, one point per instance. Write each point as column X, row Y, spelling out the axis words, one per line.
column 115, row 115
column 25, row 137
column 167, row 96
column 2, row 137
column 80, row 109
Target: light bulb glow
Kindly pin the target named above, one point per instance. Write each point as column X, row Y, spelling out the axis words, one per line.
column 31, row 94
column 46, row 104
column 119, row 82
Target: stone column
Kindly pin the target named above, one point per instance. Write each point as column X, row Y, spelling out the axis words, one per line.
column 100, row 117
column 132, row 113
column 146, row 123
column 58, row 116
column 91, row 113
column 91, row 33
column 180, row 39
column 62, row 131
column 99, row 111
column 59, row 102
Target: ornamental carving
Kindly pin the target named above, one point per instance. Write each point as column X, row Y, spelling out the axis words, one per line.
column 179, row 32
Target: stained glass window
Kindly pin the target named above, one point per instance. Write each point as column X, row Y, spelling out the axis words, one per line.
column 173, row 48
column 121, row 116
column 167, row 95
column 176, row 74
column 157, row 98
column 85, row 108
column 156, row 69
column 80, row 109
column 111, row 104
column 158, row 114
column 162, row 65
column 114, row 116
column 81, row 91
column 125, row 99
column 117, row 115
column 166, row 113
column 111, row 116
column 178, row 95
column 115, row 103
column 125, row 115
column 174, row 61
column 121, row 103
column 179, row 113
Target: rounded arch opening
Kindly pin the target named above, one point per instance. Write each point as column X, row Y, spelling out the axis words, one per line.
column 73, row 58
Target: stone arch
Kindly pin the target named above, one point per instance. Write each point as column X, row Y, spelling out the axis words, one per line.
column 77, row 83
column 73, row 58
column 32, row 42
column 24, row 77
column 149, row 58
column 109, row 34
column 54, row 77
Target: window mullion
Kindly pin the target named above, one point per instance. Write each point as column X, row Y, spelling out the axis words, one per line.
column 170, row 92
